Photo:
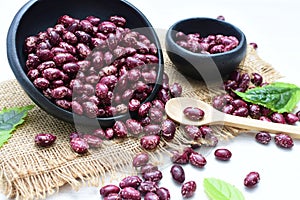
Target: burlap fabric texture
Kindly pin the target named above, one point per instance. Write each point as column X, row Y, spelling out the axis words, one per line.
column 30, row 172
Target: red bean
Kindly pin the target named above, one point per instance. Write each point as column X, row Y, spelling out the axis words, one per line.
column 163, row 193
column 193, row 132
column 134, row 105
column 180, row 158
column 264, row 118
column 101, row 90
column 94, row 20
column 228, row 109
column 188, row 189
column 92, row 140
column 278, row 118
column 77, row 107
column 107, row 27
column 86, row 26
column 63, row 58
column 44, row 139
column 150, row 142
column 59, row 92
column 44, row 54
column 144, row 109
column 32, row 61
column 222, row 154
column 291, row 118
column 66, row 20
column 254, row 111
column 109, row 133
column 83, row 50
column 164, row 95
column 197, row 160
column 178, row 173
column 90, row 109
column 152, row 129
column 148, row 167
column 41, row 83
column 251, row 179
column 134, row 127
column 158, row 104
column 74, row 135
column 120, row 129
column 117, row 20
column 151, row 196
column 254, row 45
column 256, row 79
column 130, row 181
column 221, row 17
column 284, row 141
column 168, row 129
column 154, row 176
column 176, row 90
column 108, row 189
column 237, row 103
column 130, row 193
column 140, row 160
column 218, row 103
column 193, row 113
column 241, row 111
column 263, row 137
column 148, row 186
column 79, row 145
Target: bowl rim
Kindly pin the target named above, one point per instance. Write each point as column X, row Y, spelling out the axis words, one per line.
column 235, row 28
column 39, row 99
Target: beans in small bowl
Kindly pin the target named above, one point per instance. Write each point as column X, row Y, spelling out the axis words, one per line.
column 205, row 48
column 83, row 61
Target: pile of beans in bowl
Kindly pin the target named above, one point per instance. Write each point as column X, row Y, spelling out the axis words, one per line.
column 210, row 44
column 92, row 67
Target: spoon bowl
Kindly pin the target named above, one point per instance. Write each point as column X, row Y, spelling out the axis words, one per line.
column 175, row 106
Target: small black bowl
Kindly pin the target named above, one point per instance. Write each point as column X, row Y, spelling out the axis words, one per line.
column 207, row 67
column 38, row 15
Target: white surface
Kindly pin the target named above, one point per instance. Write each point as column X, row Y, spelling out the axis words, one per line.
column 274, row 25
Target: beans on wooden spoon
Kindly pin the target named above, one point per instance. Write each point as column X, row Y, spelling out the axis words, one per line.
column 175, row 106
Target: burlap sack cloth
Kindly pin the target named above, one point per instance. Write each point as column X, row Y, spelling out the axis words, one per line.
column 30, row 172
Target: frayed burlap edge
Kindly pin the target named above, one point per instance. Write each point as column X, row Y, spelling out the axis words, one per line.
column 29, row 172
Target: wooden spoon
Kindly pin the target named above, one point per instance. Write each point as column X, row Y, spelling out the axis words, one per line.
column 174, row 109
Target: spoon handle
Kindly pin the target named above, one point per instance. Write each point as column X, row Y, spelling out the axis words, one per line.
column 258, row 125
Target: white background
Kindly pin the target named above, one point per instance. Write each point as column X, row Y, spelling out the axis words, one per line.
column 274, row 26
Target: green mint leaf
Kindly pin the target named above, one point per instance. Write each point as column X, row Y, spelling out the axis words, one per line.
column 9, row 119
column 217, row 189
column 279, row 97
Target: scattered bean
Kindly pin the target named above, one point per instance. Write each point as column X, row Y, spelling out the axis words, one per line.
column 188, row 189
column 284, row 141
column 222, row 154
column 140, row 160
column 79, row 145
column 263, row 137
column 197, row 160
column 108, row 189
column 178, row 173
column 130, row 181
column 130, row 193
column 251, row 179
column 44, row 139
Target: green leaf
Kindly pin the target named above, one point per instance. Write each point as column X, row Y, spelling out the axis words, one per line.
column 217, row 189
column 9, row 119
column 278, row 96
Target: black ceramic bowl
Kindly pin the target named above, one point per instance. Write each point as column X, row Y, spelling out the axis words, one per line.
column 38, row 15
column 207, row 67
